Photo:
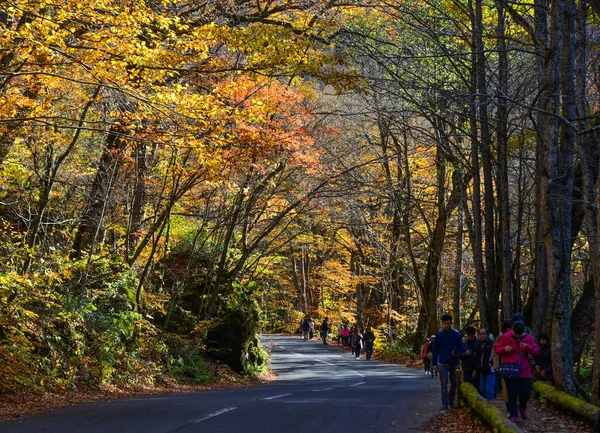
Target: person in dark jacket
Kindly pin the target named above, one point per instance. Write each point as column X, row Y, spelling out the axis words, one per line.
column 469, row 357
column 324, row 329
column 305, row 328
column 543, row 361
column 356, row 341
column 368, row 339
column 485, row 365
column 447, row 351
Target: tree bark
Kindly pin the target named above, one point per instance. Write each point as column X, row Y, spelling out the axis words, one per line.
column 539, row 299
column 502, row 166
column 557, row 188
column 458, row 274
column 91, row 223
column 475, row 232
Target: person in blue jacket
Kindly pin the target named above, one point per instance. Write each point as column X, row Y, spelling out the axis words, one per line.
column 447, row 350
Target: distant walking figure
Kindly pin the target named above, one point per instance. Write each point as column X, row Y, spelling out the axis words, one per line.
column 447, row 350
column 433, row 373
column 369, row 339
column 426, row 360
column 324, row 329
column 355, row 341
column 345, row 336
column 305, row 328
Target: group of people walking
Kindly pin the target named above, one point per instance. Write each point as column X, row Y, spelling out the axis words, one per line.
column 353, row 337
column 356, row 339
column 507, row 363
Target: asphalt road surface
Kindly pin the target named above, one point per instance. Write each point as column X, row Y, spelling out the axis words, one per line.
column 320, row 389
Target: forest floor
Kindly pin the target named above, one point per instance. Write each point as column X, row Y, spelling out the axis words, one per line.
column 32, row 402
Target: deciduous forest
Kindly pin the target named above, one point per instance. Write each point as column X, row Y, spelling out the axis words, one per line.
column 177, row 177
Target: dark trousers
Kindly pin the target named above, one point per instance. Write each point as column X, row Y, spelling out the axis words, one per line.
column 518, row 389
column 356, row 351
column 448, row 372
column 368, row 350
column 426, row 364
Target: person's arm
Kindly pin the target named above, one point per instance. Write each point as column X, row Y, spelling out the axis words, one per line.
column 460, row 347
column 434, row 351
column 532, row 348
column 500, row 346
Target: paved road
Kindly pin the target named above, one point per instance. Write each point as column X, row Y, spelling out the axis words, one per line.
column 320, row 389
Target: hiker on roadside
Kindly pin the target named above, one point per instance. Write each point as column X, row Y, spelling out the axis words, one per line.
column 305, row 328
column 324, row 329
column 469, row 357
column 426, row 360
column 356, row 341
column 543, row 361
column 369, row 339
column 346, row 336
column 339, row 334
column 447, row 351
column 433, row 373
column 485, row 367
column 515, row 347
column 311, row 328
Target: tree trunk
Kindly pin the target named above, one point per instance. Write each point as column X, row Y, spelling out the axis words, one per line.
column 90, row 227
column 557, row 189
column 582, row 319
column 476, row 229
column 139, row 197
column 486, row 156
column 502, row 164
column 458, row 274
column 539, row 298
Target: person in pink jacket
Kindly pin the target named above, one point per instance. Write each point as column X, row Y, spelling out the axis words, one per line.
column 513, row 346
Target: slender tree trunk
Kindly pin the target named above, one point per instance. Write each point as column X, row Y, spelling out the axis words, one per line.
column 458, row 274
column 475, row 233
column 491, row 283
column 139, row 197
column 502, row 163
column 516, row 269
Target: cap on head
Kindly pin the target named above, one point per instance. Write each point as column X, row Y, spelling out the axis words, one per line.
column 518, row 327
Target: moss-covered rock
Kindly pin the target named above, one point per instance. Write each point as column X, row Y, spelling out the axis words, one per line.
column 234, row 340
column 567, row 402
column 485, row 411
